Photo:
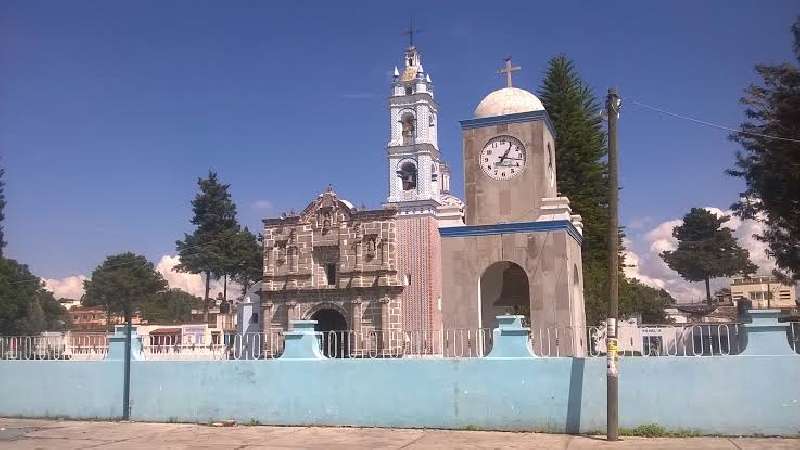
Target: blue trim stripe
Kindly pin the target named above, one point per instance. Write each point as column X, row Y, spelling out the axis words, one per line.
column 510, row 228
column 510, row 118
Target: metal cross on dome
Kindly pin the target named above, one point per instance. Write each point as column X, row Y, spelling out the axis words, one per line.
column 508, row 69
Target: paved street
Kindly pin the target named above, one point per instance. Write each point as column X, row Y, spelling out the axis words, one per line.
column 49, row 434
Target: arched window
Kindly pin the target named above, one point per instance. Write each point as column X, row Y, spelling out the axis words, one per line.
column 408, row 175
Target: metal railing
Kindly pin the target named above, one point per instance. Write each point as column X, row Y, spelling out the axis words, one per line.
column 450, row 343
column 233, row 347
column 645, row 341
column 70, row 348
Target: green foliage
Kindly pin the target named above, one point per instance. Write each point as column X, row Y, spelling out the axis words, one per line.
column 249, row 258
column 637, row 298
column 122, row 283
column 582, row 174
column 580, row 151
column 173, row 306
column 771, row 167
column 26, row 308
column 706, row 249
column 208, row 249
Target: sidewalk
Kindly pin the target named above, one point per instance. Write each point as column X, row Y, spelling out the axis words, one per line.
column 53, row 434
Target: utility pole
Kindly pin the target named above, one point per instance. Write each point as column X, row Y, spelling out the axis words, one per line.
column 613, row 104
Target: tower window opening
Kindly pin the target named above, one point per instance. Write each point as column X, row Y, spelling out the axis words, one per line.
column 409, row 90
column 408, row 175
column 408, row 129
column 330, row 274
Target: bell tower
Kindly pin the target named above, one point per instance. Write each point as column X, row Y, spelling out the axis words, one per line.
column 418, row 184
column 415, row 166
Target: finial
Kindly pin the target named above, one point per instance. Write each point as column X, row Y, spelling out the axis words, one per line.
column 427, row 78
column 508, row 69
column 396, row 72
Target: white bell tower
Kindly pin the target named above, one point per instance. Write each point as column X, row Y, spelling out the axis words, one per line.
column 415, row 167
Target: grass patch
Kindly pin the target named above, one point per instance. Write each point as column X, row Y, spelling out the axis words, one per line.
column 654, row 430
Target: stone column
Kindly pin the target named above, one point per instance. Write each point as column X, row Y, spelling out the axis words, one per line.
column 358, row 340
column 267, row 310
column 384, row 337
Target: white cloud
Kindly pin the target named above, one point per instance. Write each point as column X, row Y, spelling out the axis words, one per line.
column 67, row 287
column 642, row 252
column 195, row 284
column 72, row 286
column 261, row 205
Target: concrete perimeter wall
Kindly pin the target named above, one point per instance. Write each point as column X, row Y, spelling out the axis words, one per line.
column 744, row 394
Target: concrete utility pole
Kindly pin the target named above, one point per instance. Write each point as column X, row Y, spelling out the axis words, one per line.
column 613, row 104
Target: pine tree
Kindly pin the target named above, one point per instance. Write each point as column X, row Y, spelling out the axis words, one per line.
column 581, row 170
column 771, row 167
column 706, row 249
column 206, row 250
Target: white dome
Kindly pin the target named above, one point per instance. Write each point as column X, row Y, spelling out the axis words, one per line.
column 508, row 100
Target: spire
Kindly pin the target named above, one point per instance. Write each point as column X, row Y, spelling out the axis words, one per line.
column 396, row 73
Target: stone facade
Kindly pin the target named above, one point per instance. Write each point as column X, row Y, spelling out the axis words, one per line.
column 332, row 257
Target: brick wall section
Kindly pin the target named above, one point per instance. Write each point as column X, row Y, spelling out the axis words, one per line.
column 421, row 261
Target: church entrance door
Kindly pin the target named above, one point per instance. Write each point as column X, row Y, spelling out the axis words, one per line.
column 335, row 336
column 503, row 290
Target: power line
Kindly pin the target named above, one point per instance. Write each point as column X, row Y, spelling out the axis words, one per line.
column 712, row 124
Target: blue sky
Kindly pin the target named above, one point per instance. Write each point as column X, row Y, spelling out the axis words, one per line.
column 109, row 111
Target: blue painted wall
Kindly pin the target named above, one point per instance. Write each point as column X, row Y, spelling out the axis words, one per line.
column 757, row 392
column 730, row 395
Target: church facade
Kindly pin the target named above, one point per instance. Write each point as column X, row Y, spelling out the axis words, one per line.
column 426, row 260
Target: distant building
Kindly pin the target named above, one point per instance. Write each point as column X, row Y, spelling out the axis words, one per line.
column 764, row 292
column 94, row 318
column 69, row 303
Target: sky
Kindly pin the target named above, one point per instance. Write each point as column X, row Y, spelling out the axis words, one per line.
column 110, row 111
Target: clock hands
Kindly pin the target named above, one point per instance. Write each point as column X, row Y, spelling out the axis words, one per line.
column 505, row 155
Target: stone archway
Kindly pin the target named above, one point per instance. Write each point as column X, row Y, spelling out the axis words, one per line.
column 504, row 290
column 335, row 335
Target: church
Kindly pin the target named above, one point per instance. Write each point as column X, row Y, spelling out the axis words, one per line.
column 428, row 261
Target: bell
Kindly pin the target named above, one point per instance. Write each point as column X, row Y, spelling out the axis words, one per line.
column 515, row 288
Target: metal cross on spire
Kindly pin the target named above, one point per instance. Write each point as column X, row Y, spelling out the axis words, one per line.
column 410, row 32
column 508, row 69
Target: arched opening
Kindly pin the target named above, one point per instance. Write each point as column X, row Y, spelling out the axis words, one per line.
column 503, row 290
column 408, row 175
column 335, row 337
column 409, row 128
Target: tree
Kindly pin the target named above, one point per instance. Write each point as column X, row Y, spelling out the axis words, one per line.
column 637, row 298
column 706, row 249
column 580, row 151
column 250, row 269
column 771, row 166
column 2, row 209
column 26, row 308
column 203, row 251
column 122, row 283
column 171, row 306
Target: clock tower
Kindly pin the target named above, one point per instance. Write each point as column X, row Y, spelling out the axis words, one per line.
column 520, row 248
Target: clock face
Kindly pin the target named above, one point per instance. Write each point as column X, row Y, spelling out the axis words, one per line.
column 503, row 157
